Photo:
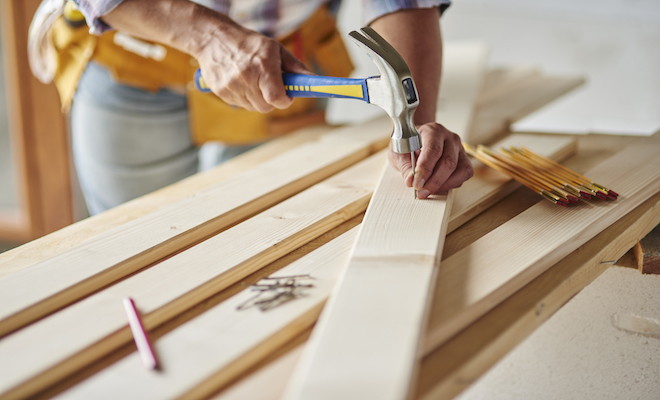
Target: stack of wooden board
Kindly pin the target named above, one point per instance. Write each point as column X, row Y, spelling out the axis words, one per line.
column 184, row 255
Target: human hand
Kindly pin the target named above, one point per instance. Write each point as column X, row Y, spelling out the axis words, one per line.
column 441, row 163
column 244, row 68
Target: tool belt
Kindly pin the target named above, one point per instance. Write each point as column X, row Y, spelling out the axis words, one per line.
column 151, row 66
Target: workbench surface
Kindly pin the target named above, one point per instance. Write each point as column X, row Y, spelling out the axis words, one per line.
column 454, row 365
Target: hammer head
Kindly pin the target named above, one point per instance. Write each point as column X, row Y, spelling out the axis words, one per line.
column 394, row 90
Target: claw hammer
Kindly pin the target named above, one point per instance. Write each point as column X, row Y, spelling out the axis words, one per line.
column 394, row 90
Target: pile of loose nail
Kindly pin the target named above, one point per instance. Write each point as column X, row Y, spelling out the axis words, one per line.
column 553, row 181
column 275, row 291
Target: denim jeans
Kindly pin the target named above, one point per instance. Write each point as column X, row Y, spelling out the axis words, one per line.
column 128, row 142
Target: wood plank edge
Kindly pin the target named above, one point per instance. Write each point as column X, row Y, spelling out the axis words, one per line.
column 74, row 363
column 452, row 367
column 474, row 351
column 81, row 289
column 647, row 252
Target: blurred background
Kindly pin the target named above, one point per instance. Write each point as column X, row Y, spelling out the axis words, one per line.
column 614, row 44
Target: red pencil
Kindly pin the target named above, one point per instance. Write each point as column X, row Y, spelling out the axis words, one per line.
column 140, row 335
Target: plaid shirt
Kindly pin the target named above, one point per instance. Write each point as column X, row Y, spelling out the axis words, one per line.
column 270, row 17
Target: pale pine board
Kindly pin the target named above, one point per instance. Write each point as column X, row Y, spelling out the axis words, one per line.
column 365, row 343
column 482, row 275
column 29, row 362
column 463, row 359
column 64, row 239
column 222, row 339
column 349, row 345
column 496, row 108
column 464, row 64
column 43, row 288
column 251, row 335
column 452, row 367
column 267, row 383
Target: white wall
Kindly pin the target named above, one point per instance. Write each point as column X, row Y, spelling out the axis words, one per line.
column 615, row 44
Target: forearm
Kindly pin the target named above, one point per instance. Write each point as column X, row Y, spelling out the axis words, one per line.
column 415, row 34
column 181, row 24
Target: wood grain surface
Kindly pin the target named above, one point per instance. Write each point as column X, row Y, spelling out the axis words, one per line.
column 47, row 286
column 267, row 333
column 483, row 274
column 366, row 342
column 97, row 325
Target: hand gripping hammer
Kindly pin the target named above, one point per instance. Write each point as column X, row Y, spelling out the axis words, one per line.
column 394, row 90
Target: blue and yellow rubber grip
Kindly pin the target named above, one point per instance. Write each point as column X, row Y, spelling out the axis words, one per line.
column 300, row 85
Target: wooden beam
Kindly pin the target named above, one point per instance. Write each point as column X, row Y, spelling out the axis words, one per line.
column 368, row 339
column 647, row 252
column 62, row 240
column 96, row 326
column 451, row 368
column 266, row 334
column 35, row 292
column 253, row 336
column 273, row 377
column 365, row 345
column 38, row 131
column 594, row 149
column 215, row 348
column 475, row 279
column 455, row 365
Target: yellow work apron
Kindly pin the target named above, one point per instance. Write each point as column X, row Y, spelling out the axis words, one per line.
column 317, row 43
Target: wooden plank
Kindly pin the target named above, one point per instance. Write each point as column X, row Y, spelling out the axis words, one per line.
column 343, row 348
column 463, row 359
column 459, row 362
column 43, row 288
column 475, row 279
column 464, row 64
column 236, row 339
column 38, row 130
column 66, row 238
column 62, row 240
column 647, row 252
column 273, row 378
column 96, row 325
column 512, row 99
column 253, row 336
column 365, row 344
column 187, row 317
column 265, row 334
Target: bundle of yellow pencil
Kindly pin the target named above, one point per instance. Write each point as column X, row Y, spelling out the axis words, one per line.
column 551, row 180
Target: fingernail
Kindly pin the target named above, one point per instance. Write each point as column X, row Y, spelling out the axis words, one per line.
column 420, row 184
column 410, row 179
column 422, row 194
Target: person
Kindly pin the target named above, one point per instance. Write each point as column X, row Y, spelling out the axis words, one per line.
column 129, row 140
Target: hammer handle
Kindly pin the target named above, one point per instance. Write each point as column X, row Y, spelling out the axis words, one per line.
column 300, row 85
